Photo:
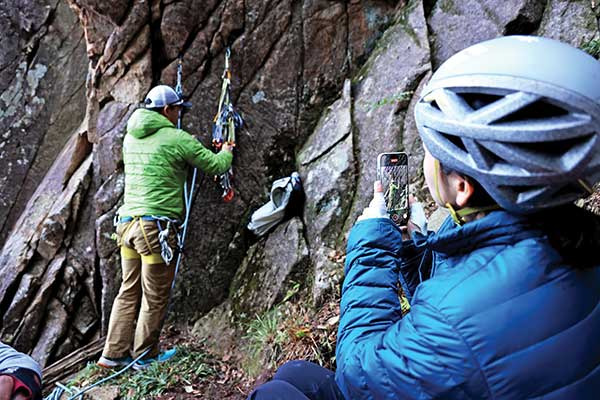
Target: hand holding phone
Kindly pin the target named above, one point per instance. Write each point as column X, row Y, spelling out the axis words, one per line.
column 376, row 208
column 392, row 171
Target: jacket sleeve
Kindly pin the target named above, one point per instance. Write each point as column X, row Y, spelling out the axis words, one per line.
column 200, row 157
column 414, row 264
column 379, row 354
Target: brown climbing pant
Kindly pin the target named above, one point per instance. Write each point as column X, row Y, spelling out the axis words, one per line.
column 146, row 279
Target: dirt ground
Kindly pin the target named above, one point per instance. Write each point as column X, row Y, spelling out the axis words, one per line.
column 228, row 383
column 311, row 333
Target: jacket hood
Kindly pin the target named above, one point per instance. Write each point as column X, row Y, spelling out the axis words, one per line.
column 572, row 231
column 144, row 122
column 498, row 227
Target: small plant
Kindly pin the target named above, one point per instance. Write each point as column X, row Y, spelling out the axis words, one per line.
column 265, row 339
column 395, row 98
column 90, row 374
column 291, row 292
column 592, row 47
column 187, row 366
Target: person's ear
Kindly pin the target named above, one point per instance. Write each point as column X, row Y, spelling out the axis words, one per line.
column 166, row 110
column 463, row 188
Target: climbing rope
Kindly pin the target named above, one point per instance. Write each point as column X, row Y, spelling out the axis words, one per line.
column 188, row 194
column 226, row 121
column 61, row 389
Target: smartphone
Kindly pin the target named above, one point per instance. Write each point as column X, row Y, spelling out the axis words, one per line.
column 392, row 171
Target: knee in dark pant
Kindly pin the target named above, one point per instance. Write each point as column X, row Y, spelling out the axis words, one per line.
column 314, row 381
column 297, row 372
column 292, row 369
column 276, row 389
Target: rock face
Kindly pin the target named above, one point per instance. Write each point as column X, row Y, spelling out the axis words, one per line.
column 324, row 86
column 47, row 265
column 327, row 165
column 383, row 90
column 270, row 269
column 456, row 25
column 573, row 22
column 42, row 96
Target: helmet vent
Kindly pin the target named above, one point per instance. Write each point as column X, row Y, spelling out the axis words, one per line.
column 456, row 141
column 480, row 100
column 543, row 196
column 555, row 149
column 537, row 110
column 523, row 194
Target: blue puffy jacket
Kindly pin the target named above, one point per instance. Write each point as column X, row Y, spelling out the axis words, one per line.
column 503, row 316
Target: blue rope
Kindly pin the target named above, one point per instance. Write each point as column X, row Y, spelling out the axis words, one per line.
column 188, row 193
column 61, row 389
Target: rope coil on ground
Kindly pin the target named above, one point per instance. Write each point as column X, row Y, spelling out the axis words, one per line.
column 58, row 392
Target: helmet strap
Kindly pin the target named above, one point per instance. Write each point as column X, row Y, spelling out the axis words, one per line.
column 436, row 180
column 585, row 185
column 457, row 215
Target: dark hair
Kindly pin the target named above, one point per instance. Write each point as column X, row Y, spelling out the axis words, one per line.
column 573, row 231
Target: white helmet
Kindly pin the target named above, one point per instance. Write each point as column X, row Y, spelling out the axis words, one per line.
column 519, row 114
column 163, row 95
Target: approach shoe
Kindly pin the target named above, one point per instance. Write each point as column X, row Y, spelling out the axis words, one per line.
column 107, row 362
column 162, row 357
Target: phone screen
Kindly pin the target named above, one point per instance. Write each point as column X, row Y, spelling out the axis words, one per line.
column 392, row 171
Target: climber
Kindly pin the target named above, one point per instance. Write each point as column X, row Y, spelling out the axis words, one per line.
column 505, row 297
column 156, row 156
column 20, row 375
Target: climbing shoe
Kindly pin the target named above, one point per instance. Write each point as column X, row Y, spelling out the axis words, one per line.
column 107, row 362
column 164, row 356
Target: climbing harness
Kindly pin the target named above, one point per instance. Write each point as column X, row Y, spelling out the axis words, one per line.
column 225, row 123
column 166, row 252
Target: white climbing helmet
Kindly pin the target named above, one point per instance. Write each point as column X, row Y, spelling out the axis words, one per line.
column 519, row 114
column 163, row 95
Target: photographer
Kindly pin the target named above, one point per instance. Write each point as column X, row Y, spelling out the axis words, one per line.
column 505, row 296
column 20, row 375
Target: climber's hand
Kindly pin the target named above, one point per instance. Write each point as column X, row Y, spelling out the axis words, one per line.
column 227, row 147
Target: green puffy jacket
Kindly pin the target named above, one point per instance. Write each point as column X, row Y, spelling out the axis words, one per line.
column 156, row 156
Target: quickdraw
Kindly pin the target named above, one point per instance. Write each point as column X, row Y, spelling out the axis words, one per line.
column 225, row 123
